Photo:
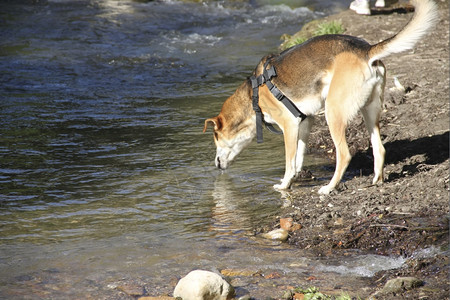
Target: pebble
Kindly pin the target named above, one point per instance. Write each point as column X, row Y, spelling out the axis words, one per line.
column 276, row 234
column 131, row 290
column 286, row 223
column 156, row 298
column 289, row 224
column 339, row 221
column 239, row 272
column 287, row 295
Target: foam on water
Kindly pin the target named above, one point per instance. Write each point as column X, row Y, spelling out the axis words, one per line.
column 365, row 265
column 369, row 265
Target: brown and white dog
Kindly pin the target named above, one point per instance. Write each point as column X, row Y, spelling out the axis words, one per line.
column 342, row 73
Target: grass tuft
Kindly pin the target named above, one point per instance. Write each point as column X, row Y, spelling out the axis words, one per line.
column 333, row 27
column 310, row 30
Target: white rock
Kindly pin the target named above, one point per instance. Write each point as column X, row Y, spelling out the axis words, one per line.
column 203, row 285
column 276, row 234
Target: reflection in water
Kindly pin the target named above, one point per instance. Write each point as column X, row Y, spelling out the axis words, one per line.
column 236, row 213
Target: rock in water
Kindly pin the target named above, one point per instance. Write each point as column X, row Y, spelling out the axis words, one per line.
column 279, row 234
column 203, row 285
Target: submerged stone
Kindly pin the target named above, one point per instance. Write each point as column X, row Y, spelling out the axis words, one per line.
column 276, row 234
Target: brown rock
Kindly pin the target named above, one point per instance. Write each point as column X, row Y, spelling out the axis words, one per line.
column 296, row 227
column 156, row 298
column 286, row 223
column 272, row 275
column 239, row 272
column 131, row 290
column 298, row 296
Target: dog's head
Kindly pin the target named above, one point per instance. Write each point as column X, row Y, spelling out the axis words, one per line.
column 234, row 128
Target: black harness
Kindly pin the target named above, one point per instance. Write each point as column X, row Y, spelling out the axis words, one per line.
column 260, row 80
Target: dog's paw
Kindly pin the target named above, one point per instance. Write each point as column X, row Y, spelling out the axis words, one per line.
column 325, row 190
column 377, row 179
column 280, row 187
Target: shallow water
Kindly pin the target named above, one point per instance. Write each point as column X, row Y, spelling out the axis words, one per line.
column 105, row 173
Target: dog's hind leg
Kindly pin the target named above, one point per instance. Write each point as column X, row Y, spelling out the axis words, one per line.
column 335, row 115
column 348, row 92
column 371, row 113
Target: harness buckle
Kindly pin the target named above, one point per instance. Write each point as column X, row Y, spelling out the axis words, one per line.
column 276, row 92
column 269, row 73
column 254, row 82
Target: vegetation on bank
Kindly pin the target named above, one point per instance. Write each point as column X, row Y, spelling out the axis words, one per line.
column 312, row 29
column 311, row 293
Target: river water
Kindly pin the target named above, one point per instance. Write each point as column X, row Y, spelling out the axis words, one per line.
column 105, row 174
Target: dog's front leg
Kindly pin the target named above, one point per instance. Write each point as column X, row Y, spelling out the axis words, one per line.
column 303, row 135
column 291, row 134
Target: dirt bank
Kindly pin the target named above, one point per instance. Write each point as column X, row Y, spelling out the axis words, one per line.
column 410, row 210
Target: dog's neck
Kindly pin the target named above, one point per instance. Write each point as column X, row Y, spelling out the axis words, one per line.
column 237, row 111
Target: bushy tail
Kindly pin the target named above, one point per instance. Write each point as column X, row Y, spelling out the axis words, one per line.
column 424, row 19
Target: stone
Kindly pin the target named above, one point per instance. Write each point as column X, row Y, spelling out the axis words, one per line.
column 298, row 296
column 203, row 285
column 296, row 227
column 286, row 223
column 239, row 272
column 156, row 298
column 272, row 275
column 131, row 290
column 398, row 285
column 287, row 295
column 276, row 234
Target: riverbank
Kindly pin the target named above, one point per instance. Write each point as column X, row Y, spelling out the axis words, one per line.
column 410, row 210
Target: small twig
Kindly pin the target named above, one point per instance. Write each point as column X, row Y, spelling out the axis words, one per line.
column 434, row 229
column 388, row 225
column 400, row 213
column 355, row 239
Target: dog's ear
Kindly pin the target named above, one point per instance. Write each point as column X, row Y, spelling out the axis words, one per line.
column 213, row 121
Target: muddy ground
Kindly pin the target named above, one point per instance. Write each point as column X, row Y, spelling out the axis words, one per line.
column 410, row 210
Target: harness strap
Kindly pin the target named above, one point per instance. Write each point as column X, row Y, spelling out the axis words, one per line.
column 285, row 100
column 257, row 109
column 264, row 78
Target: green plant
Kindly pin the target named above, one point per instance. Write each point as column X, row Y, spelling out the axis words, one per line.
column 313, row 293
column 294, row 42
column 332, row 27
column 313, row 29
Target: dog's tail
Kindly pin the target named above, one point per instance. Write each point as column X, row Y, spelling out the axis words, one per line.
column 424, row 19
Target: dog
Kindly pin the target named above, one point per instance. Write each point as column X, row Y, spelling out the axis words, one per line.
column 341, row 73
